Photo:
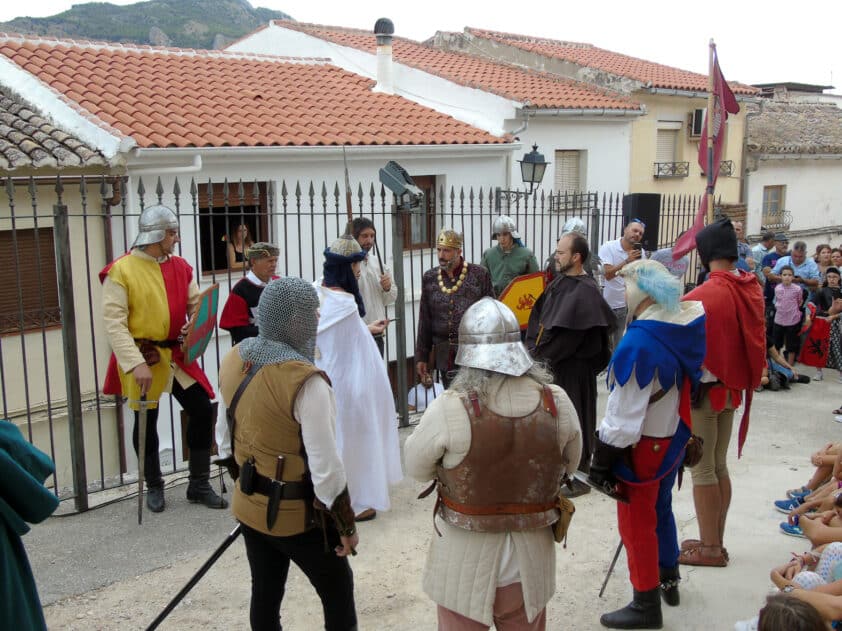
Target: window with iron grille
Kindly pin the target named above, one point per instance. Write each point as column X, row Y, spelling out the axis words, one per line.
column 28, row 293
column 419, row 228
column 221, row 215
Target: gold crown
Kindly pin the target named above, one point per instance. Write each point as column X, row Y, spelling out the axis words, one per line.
column 449, row 238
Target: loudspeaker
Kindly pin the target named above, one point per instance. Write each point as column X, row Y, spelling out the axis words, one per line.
column 647, row 208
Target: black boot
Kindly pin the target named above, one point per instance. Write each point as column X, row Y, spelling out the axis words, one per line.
column 199, row 490
column 669, row 585
column 644, row 612
column 154, row 482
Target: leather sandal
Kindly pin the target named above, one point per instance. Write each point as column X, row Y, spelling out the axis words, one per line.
column 367, row 515
column 689, row 544
column 694, row 556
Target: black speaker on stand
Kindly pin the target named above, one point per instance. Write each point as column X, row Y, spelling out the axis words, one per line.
column 645, row 207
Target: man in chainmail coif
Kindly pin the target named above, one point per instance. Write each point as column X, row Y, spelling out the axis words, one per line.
column 283, row 436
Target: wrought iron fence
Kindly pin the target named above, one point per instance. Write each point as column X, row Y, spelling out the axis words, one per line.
column 59, row 234
column 672, row 169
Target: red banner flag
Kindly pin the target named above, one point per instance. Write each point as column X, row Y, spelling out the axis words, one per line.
column 724, row 103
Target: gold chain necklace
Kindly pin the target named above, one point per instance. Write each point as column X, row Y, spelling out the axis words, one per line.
column 455, row 288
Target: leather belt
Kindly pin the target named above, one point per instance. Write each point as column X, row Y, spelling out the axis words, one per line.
column 289, row 490
column 159, row 343
column 498, row 509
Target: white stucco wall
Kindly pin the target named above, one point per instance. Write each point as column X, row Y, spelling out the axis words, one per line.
column 813, row 190
column 607, row 142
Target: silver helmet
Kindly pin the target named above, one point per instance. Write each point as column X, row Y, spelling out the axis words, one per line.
column 489, row 338
column 153, row 225
column 504, row 223
column 574, row 224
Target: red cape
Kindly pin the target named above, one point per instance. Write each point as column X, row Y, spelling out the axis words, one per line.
column 735, row 329
column 177, row 275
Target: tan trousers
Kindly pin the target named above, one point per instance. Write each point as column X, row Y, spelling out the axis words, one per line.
column 509, row 614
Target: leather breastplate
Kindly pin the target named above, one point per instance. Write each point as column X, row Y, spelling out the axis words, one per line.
column 511, row 476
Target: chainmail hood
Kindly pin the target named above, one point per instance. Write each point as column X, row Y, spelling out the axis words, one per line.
column 287, row 321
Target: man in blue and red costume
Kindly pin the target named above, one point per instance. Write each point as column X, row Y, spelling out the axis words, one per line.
column 147, row 298
column 735, row 356
column 641, row 441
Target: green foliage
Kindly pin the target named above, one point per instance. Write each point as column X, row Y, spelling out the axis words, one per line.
column 187, row 23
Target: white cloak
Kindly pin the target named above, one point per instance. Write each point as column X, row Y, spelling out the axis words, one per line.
column 366, row 421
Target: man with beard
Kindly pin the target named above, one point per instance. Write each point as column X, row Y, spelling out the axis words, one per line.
column 641, row 440
column 509, row 258
column 569, row 328
column 375, row 281
column 446, row 293
column 614, row 256
column 147, row 298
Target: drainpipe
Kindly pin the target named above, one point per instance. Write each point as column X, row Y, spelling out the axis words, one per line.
column 383, row 31
column 514, row 134
column 744, row 173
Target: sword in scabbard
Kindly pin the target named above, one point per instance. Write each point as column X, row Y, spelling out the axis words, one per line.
column 141, row 455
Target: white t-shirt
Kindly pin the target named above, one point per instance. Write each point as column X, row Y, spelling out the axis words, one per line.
column 420, row 397
column 614, row 292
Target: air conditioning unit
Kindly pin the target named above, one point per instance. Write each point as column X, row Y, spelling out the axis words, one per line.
column 695, row 123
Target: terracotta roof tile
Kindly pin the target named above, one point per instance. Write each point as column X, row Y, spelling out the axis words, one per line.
column 28, row 139
column 648, row 72
column 537, row 89
column 171, row 97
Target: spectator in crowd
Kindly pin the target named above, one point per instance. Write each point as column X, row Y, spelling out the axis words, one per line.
column 836, row 257
column 237, row 247
column 805, row 269
column 828, row 302
column 822, row 259
column 788, row 300
column 420, row 397
column 743, row 248
column 509, row 258
column 614, row 256
column 375, row 282
column 780, row 250
column 759, row 251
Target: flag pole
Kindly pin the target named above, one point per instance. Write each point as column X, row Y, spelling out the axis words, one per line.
column 711, row 114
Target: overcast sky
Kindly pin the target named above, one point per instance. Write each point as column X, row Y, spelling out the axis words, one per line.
column 758, row 42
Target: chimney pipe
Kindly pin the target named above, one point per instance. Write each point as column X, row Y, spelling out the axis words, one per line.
column 383, row 30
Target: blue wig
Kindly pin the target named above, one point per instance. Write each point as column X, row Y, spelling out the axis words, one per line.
column 656, row 281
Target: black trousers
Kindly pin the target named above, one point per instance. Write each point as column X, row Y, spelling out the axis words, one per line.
column 329, row 574
column 197, row 404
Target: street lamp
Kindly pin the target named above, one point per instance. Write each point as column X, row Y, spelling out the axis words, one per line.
column 532, row 169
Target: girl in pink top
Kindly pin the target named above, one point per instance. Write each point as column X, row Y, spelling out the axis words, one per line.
column 788, row 300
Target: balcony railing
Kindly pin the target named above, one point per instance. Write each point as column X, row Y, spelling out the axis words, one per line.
column 777, row 219
column 672, row 169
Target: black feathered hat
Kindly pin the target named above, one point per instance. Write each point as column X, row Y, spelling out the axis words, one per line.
column 717, row 241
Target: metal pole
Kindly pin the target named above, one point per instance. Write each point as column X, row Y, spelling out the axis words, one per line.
column 195, row 578
column 400, row 313
column 70, row 347
column 611, row 568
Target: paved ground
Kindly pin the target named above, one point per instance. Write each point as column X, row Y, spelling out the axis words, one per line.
column 100, row 570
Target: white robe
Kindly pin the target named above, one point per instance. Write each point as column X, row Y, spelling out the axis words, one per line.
column 366, row 421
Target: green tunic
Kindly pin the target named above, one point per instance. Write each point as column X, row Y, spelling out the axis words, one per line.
column 504, row 267
column 23, row 498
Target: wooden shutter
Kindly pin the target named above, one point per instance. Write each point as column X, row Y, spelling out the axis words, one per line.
column 37, row 294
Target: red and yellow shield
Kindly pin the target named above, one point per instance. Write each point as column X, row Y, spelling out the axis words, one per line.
column 521, row 294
